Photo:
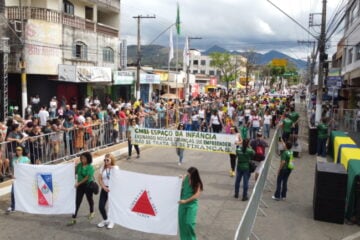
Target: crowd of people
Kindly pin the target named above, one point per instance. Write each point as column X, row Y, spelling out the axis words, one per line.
column 249, row 117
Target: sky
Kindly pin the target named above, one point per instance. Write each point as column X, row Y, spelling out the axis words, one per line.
column 232, row 24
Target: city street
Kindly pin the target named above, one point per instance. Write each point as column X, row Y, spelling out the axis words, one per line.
column 218, row 216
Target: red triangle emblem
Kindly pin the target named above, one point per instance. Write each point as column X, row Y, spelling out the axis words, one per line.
column 143, row 205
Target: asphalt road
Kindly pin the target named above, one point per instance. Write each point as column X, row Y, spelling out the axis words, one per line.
column 218, row 216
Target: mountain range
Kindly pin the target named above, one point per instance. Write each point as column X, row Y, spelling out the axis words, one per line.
column 157, row 56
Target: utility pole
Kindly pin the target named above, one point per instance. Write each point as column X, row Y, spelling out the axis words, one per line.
column 138, row 62
column 322, row 59
column 187, row 85
column 22, row 63
column 4, row 51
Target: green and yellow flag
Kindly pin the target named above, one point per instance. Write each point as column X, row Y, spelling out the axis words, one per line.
column 178, row 19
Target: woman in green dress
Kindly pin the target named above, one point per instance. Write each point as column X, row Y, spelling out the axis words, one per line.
column 190, row 192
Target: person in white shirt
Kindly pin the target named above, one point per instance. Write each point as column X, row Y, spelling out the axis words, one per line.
column 267, row 123
column 231, row 111
column 255, row 123
column 103, row 178
column 52, row 107
column 43, row 116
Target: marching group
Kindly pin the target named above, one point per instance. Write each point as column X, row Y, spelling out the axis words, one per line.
column 249, row 118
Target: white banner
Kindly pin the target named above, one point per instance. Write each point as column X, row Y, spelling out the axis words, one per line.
column 144, row 202
column 205, row 141
column 45, row 189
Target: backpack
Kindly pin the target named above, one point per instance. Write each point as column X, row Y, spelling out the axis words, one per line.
column 291, row 164
column 259, row 152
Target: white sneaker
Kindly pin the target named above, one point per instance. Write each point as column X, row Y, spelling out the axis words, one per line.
column 103, row 223
column 110, row 225
column 10, row 210
column 179, row 163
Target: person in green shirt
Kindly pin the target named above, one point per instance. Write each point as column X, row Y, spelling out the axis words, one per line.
column 85, row 174
column 294, row 116
column 283, row 173
column 188, row 204
column 244, row 130
column 322, row 137
column 286, row 125
column 244, row 155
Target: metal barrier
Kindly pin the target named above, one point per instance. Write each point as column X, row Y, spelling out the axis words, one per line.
column 62, row 145
column 244, row 229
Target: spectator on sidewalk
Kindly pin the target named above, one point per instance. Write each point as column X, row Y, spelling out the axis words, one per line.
column 322, row 137
column 131, row 137
column 283, row 173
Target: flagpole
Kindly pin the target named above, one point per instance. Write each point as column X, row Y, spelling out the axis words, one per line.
column 177, row 58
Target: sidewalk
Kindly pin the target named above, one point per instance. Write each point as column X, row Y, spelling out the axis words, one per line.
column 293, row 218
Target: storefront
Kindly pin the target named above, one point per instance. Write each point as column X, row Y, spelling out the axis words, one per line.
column 123, row 85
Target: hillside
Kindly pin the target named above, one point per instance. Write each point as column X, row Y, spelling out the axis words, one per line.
column 157, row 56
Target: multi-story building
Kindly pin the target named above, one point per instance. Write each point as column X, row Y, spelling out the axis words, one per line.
column 200, row 66
column 351, row 55
column 69, row 48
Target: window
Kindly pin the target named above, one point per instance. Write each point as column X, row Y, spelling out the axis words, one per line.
column 343, row 63
column 350, row 56
column 202, row 72
column 212, row 72
column 203, row 62
column 89, row 13
column 195, row 71
column 68, row 7
column 218, row 73
column 108, row 55
column 357, row 54
column 80, row 50
column 354, row 12
column 196, row 62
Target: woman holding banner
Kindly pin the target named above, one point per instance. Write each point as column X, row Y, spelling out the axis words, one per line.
column 103, row 179
column 190, row 192
column 19, row 158
column 85, row 175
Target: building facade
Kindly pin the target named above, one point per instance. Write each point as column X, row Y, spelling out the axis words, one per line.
column 200, row 65
column 351, row 55
column 67, row 48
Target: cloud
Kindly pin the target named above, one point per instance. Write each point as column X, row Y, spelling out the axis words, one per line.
column 233, row 24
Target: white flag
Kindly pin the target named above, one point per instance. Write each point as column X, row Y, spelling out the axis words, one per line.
column 171, row 46
column 144, row 202
column 45, row 189
column 186, row 52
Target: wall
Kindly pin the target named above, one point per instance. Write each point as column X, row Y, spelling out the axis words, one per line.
column 95, row 45
column 42, row 49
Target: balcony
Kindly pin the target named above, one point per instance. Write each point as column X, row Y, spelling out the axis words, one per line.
column 13, row 13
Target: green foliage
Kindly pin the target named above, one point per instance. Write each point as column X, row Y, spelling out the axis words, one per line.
column 227, row 64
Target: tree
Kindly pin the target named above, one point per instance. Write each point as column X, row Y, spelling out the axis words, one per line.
column 228, row 65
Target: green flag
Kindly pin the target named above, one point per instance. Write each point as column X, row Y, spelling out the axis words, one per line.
column 178, row 19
